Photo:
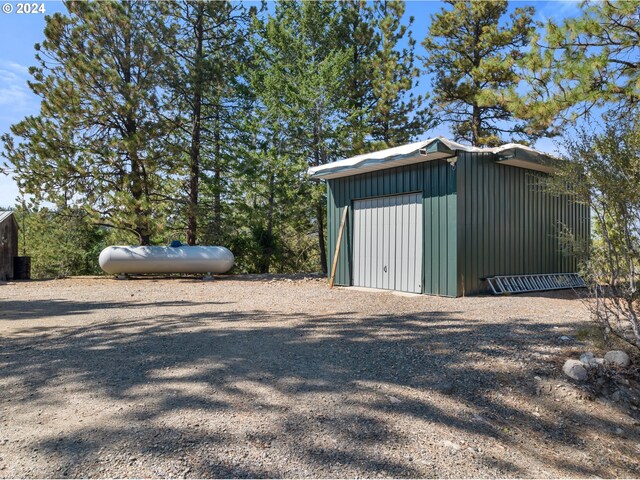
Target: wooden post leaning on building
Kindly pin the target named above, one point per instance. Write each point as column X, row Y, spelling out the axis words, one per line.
column 338, row 243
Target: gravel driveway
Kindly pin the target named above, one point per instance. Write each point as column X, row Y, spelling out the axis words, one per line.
column 273, row 377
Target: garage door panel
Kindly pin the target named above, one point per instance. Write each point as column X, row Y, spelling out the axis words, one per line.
column 391, row 235
column 411, row 253
column 387, row 243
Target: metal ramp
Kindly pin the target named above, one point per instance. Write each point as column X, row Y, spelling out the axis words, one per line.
column 501, row 284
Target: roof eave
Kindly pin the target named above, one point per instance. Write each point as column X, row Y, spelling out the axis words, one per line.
column 429, row 150
column 434, row 150
column 521, row 158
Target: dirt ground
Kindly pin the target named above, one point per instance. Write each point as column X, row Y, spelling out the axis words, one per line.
column 273, row 377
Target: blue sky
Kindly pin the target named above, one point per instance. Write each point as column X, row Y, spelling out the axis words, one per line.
column 20, row 32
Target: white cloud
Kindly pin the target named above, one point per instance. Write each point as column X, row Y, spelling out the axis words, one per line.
column 16, row 102
column 557, row 10
column 15, row 67
column 16, row 99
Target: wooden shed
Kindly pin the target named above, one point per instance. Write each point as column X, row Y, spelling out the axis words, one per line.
column 437, row 217
column 8, row 243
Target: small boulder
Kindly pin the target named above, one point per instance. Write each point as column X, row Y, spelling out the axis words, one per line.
column 617, row 358
column 575, row 370
column 565, row 338
column 588, row 359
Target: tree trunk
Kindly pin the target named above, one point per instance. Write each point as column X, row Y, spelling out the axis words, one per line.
column 196, row 116
column 475, row 126
column 145, row 239
column 137, row 178
column 217, row 177
column 267, row 247
column 317, row 159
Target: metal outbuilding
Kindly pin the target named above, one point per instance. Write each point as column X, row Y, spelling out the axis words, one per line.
column 437, row 217
column 8, row 243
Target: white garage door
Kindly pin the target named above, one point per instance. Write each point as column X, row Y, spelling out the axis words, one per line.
column 387, row 243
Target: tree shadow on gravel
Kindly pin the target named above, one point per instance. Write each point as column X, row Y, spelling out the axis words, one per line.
column 248, row 394
column 30, row 309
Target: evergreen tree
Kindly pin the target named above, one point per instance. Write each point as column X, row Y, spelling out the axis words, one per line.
column 472, row 54
column 272, row 223
column 60, row 242
column 303, row 88
column 397, row 115
column 206, row 41
column 380, row 76
column 589, row 61
column 98, row 141
column 358, row 34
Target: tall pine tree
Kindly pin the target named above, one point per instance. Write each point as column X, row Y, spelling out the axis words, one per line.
column 472, row 53
column 359, row 35
column 592, row 60
column 398, row 114
column 206, row 42
column 381, row 76
column 306, row 66
column 98, row 141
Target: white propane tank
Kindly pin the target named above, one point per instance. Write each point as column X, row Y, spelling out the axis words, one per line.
column 182, row 259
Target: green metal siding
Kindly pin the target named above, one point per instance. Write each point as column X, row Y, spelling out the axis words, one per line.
column 480, row 218
column 436, row 181
column 508, row 224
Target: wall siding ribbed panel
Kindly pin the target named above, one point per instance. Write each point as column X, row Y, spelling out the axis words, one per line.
column 436, row 182
column 509, row 224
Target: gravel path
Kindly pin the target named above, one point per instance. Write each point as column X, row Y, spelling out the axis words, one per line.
column 273, row 377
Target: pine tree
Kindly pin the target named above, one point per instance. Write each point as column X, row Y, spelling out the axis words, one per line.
column 98, row 141
column 271, row 221
column 303, row 84
column 60, row 242
column 358, row 34
column 380, row 76
column 207, row 44
column 472, row 54
column 592, row 60
column 398, row 114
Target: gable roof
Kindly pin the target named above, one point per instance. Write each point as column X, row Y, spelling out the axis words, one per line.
column 4, row 214
column 512, row 154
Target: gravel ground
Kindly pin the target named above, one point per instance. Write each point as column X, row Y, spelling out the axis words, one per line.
column 252, row 376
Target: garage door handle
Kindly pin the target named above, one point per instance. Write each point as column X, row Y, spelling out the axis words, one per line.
column 385, row 269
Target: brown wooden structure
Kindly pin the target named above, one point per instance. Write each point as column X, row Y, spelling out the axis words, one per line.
column 8, row 243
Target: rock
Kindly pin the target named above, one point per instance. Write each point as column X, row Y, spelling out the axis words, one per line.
column 565, row 338
column 616, row 396
column 588, row 359
column 617, row 358
column 575, row 370
column 394, row 400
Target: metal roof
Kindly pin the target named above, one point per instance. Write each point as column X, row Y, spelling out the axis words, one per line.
column 512, row 154
column 4, row 214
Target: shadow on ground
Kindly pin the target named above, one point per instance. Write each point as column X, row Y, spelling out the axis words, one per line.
column 336, row 393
